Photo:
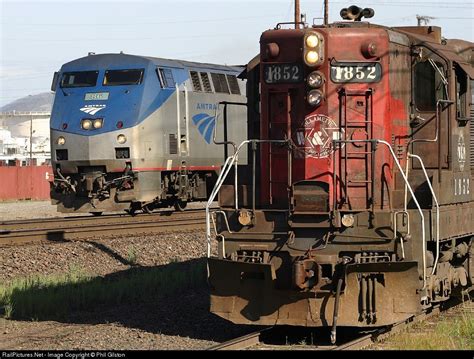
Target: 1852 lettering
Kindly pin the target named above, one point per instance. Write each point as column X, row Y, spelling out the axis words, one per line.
column 356, row 72
column 283, row 73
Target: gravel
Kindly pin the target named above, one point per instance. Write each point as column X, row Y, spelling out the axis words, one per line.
column 179, row 321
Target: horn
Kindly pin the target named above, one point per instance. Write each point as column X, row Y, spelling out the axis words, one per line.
column 356, row 13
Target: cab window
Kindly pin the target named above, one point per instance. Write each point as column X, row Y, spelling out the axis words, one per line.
column 166, row 78
column 79, row 79
column 461, row 93
column 429, row 86
column 123, row 77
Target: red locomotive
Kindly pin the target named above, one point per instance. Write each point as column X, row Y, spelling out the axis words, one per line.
column 357, row 207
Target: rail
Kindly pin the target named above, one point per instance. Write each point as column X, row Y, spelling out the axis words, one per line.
column 405, row 179
column 75, row 228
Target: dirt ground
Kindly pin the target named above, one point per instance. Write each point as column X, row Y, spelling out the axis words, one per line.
column 178, row 321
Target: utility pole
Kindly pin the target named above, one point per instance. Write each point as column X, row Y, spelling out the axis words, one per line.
column 297, row 14
column 326, row 12
column 31, row 140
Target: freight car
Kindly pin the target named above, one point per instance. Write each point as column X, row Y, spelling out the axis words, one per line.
column 137, row 133
column 362, row 211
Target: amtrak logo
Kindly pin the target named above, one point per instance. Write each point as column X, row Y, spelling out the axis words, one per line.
column 315, row 138
column 205, row 124
column 92, row 109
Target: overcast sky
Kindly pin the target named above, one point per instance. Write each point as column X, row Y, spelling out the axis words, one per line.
column 37, row 37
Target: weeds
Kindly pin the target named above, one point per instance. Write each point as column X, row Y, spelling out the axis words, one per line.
column 56, row 296
column 448, row 333
column 132, row 257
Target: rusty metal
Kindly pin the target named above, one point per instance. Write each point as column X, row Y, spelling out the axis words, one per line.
column 297, row 13
column 306, row 273
column 243, row 342
column 341, row 188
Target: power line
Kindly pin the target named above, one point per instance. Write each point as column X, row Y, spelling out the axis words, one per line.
column 144, row 23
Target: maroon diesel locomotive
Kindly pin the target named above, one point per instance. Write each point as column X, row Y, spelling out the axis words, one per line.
column 357, row 206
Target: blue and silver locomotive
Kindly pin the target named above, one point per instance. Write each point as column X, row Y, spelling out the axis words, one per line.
column 136, row 133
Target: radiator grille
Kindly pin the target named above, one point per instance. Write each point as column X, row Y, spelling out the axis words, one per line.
column 173, row 144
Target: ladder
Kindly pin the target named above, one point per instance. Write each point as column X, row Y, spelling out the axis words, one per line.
column 357, row 160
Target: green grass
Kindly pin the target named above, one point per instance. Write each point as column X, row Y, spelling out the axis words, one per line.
column 57, row 296
column 447, row 334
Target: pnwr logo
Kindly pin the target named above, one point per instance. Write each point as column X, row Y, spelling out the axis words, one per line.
column 316, row 137
column 205, row 124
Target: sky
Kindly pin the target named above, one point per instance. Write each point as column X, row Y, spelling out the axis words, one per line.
column 37, row 37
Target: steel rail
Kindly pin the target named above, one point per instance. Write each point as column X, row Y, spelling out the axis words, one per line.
column 250, row 340
column 60, row 230
column 243, row 342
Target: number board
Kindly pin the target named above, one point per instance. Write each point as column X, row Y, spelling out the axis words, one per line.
column 283, row 73
column 356, row 72
column 96, row 96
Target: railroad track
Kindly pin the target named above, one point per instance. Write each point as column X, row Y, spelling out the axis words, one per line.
column 256, row 339
column 81, row 227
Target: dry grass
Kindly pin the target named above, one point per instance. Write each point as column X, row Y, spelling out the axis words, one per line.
column 57, row 296
column 451, row 332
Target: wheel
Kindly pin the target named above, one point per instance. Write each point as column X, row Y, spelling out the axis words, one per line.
column 180, row 205
column 148, row 208
column 132, row 210
column 96, row 214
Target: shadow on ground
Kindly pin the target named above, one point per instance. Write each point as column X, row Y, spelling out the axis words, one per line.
column 170, row 299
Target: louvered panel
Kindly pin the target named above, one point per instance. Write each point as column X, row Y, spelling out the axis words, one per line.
column 471, row 130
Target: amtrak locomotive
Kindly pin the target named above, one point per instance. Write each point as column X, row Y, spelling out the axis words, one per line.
column 136, row 133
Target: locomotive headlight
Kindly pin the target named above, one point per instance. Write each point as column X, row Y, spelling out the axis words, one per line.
column 121, row 139
column 348, row 220
column 315, row 97
column 86, row 124
column 312, row 57
column 61, row 140
column 98, row 123
column 315, row 79
column 312, row 41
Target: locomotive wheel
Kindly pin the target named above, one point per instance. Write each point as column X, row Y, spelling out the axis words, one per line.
column 148, row 208
column 134, row 207
column 180, row 205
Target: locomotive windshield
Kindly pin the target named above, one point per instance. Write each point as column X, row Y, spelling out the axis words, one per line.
column 123, row 77
column 79, row 79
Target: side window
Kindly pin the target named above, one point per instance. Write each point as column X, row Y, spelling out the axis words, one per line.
column 166, row 78
column 195, row 80
column 429, row 86
column 205, row 82
column 461, row 93
column 220, row 83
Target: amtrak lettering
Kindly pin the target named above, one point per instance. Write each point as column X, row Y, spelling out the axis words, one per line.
column 206, row 106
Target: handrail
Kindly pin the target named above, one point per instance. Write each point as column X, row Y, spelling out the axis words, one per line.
column 409, row 188
column 229, row 162
column 437, row 208
column 186, row 119
column 178, row 115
